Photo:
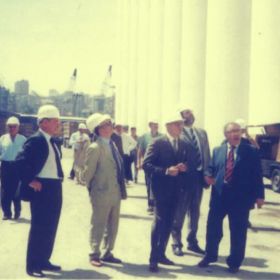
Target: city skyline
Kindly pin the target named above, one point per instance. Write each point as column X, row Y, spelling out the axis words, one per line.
column 43, row 41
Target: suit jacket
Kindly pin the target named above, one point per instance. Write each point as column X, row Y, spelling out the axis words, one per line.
column 246, row 183
column 203, row 142
column 30, row 161
column 117, row 139
column 159, row 156
column 100, row 171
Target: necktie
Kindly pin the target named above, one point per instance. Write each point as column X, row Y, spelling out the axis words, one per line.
column 229, row 165
column 118, row 161
column 57, row 159
column 175, row 145
column 196, row 148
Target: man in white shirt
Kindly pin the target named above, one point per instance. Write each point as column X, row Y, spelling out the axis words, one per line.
column 41, row 174
column 10, row 144
column 128, row 145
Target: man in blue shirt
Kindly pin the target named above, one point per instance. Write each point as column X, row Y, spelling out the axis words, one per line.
column 10, row 144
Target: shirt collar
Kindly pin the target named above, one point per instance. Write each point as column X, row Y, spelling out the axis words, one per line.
column 105, row 140
column 229, row 146
column 171, row 138
column 46, row 135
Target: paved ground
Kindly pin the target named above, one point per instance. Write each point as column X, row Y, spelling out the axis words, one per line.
column 133, row 243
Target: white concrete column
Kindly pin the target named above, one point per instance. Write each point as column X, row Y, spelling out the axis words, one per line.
column 265, row 62
column 227, row 64
column 155, row 41
column 171, row 56
column 192, row 93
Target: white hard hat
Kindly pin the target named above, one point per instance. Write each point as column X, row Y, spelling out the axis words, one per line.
column 82, row 126
column 12, row 121
column 153, row 120
column 96, row 119
column 182, row 108
column 172, row 118
column 241, row 122
column 48, row 112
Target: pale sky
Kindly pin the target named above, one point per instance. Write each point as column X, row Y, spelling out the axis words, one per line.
column 44, row 40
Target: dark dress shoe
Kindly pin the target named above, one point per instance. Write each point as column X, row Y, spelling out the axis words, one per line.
column 195, row 248
column 233, row 269
column 6, row 218
column 153, row 267
column 35, row 273
column 165, row 261
column 205, row 262
column 111, row 259
column 177, row 251
column 16, row 216
column 51, row 267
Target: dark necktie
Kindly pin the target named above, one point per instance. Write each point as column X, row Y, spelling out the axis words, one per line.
column 229, row 165
column 175, row 145
column 118, row 161
column 57, row 159
column 196, row 148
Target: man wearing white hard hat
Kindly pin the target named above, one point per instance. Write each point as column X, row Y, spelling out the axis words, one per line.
column 191, row 199
column 168, row 162
column 41, row 174
column 77, row 139
column 104, row 176
column 144, row 141
column 10, row 144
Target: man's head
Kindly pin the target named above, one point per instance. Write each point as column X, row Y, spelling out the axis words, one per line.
column 174, row 125
column 133, row 130
column 48, row 119
column 13, row 126
column 153, row 127
column 82, row 128
column 125, row 128
column 100, row 124
column 118, row 129
column 188, row 117
column 233, row 133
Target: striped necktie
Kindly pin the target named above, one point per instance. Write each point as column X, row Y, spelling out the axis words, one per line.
column 196, row 148
column 229, row 165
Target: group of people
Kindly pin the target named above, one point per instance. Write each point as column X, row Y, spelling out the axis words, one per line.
column 177, row 166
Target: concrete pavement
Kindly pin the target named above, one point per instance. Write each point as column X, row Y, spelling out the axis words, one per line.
column 133, row 242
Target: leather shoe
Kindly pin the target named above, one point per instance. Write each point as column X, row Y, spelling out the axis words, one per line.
column 35, row 273
column 51, row 267
column 177, row 251
column 16, row 216
column 165, row 261
column 195, row 248
column 111, row 259
column 6, row 218
column 153, row 267
column 205, row 262
column 233, row 269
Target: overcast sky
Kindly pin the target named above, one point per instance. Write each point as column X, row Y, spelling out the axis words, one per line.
column 44, row 40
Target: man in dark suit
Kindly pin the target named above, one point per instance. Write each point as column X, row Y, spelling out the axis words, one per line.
column 41, row 174
column 168, row 162
column 236, row 179
column 190, row 201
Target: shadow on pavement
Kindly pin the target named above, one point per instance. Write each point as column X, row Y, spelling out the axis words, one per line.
column 137, row 197
column 21, row 221
column 135, row 217
column 272, row 203
column 78, row 274
column 271, row 229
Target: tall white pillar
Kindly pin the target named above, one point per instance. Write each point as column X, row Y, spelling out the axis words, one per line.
column 227, row 64
column 265, row 62
column 171, row 56
column 194, row 16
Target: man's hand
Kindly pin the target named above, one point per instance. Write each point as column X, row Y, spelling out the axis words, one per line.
column 172, row 171
column 36, row 185
column 260, row 202
column 182, row 167
column 209, row 180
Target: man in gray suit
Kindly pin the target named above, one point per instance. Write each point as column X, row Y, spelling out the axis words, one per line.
column 104, row 176
column 190, row 202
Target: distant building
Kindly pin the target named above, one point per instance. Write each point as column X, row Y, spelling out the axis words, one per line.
column 53, row 93
column 4, row 98
column 22, row 87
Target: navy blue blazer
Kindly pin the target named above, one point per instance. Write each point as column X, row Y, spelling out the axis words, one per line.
column 159, row 156
column 247, row 184
column 30, row 161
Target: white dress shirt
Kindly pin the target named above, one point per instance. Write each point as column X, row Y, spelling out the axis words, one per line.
column 128, row 143
column 49, row 171
column 234, row 153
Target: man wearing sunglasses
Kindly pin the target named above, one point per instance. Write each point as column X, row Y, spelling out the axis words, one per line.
column 10, row 144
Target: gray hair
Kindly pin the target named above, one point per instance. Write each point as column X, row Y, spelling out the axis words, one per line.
column 231, row 123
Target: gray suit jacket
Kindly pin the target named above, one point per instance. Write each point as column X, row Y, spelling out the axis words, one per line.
column 203, row 143
column 100, row 172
